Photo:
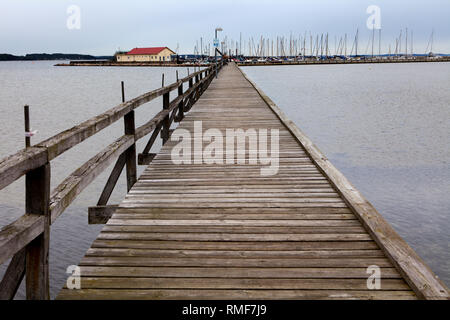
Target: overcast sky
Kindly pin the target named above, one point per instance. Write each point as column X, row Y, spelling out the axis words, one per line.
column 29, row 26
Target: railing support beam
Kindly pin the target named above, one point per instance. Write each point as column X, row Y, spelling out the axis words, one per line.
column 180, row 106
column 37, row 198
column 130, row 153
column 13, row 276
column 166, row 121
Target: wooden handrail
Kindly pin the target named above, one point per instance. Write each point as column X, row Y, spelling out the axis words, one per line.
column 30, row 231
column 16, row 165
column 151, row 125
column 66, row 192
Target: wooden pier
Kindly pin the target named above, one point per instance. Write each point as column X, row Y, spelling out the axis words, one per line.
column 220, row 231
column 365, row 60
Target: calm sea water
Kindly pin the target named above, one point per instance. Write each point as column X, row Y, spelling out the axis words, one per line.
column 387, row 128
column 61, row 97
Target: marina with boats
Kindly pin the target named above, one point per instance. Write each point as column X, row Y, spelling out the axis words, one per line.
column 305, row 49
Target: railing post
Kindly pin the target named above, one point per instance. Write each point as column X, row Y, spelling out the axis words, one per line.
column 26, row 110
column 180, row 106
column 166, row 121
column 37, row 198
column 198, row 89
column 130, row 153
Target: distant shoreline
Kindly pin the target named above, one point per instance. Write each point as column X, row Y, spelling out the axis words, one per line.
column 51, row 56
column 127, row 64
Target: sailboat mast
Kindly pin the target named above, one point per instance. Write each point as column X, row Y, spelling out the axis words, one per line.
column 406, row 43
column 201, row 46
column 373, row 37
column 379, row 42
column 345, row 45
column 304, row 45
column 432, row 38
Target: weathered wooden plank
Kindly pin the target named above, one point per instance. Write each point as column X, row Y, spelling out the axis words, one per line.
column 166, row 294
column 236, row 245
column 232, row 196
column 234, row 272
column 236, row 229
column 161, row 210
column 236, row 204
column 18, row 234
column 101, row 214
column 224, row 191
column 234, row 223
column 126, row 252
column 16, row 165
column 218, row 200
column 231, row 216
column 13, row 276
column 234, row 236
column 234, row 262
column 243, row 284
column 234, row 181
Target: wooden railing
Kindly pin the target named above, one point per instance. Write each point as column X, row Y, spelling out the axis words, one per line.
column 26, row 240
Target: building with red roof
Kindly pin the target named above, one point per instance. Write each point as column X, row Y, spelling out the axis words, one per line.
column 154, row 54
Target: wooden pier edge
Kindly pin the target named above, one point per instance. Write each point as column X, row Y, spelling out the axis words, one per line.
column 418, row 275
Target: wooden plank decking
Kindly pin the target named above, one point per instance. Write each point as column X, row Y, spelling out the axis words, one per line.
column 225, row 232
